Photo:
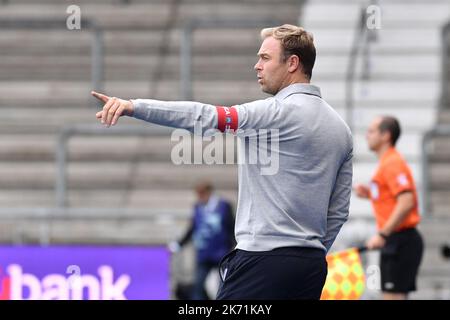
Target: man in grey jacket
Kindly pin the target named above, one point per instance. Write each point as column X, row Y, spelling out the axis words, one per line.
column 287, row 220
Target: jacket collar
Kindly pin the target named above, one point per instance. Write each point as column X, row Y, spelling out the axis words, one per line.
column 295, row 88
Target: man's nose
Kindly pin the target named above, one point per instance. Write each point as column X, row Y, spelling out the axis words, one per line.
column 257, row 66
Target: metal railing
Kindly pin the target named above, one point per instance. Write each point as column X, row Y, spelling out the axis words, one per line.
column 360, row 46
column 445, row 71
column 439, row 131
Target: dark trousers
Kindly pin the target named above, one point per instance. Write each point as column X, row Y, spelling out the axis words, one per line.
column 400, row 260
column 283, row 273
column 203, row 268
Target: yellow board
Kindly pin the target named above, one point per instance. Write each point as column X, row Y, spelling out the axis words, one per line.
column 345, row 279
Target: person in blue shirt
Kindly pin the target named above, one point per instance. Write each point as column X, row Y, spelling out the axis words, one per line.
column 212, row 232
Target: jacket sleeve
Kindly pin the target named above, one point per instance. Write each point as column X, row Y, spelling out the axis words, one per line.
column 259, row 114
column 339, row 202
column 199, row 117
column 193, row 116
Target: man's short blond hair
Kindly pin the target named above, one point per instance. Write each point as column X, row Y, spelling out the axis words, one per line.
column 294, row 41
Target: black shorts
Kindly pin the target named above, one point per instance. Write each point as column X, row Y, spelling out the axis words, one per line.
column 283, row 273
column 399, row 261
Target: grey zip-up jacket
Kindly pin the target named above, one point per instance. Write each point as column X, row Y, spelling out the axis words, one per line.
column 303, row 200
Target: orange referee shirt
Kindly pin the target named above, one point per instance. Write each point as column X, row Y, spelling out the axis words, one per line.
column 393, row 177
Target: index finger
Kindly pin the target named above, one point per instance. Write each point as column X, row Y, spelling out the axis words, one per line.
column 100, row 96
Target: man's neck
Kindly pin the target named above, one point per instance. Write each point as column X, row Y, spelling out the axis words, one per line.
column 382, row 150
column 298, row 78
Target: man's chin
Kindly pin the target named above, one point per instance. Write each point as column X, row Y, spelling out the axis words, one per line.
column 266, row 90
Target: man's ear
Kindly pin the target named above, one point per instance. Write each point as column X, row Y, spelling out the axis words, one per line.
column 294, row 63
column 386, row 136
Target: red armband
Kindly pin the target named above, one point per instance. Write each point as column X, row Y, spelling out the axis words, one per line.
column 227, row 118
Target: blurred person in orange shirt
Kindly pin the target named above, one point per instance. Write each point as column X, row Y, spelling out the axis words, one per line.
column 392, row 192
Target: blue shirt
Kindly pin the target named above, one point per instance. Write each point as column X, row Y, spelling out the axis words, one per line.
column 212, row 229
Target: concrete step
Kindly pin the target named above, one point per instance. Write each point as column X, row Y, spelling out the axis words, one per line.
column 31, row 148
column 326, row 14
column 112, row 175
column 435, row 232
column 141, row 67
column 436, row 289
column 383, row 91
column 433, row 263
column 126, row 42
column 40, row 147
column 440, row 148
column 48, row 117
column 155, row 197
column 126, row 3
column 156, row 14
column 142, row 174
column 73, row 68
column 157, row 11
column 122, row 179
column 361, row 118
column 53, row 127
column 93, row 231
column 440, row 175
column 432, row 287
column 28, row 148
column 135, row 67
column 440, row 202
column 389, row 66
column 286, row 12
column 52, row 93
column 444, row 116
column 393, row 39
column 211, row 40
column 57, row 117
